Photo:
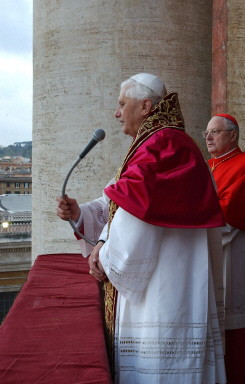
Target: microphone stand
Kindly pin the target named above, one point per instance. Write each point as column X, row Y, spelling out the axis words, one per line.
column 99, row 135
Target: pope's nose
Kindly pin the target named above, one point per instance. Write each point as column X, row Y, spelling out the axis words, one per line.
column 117, row 113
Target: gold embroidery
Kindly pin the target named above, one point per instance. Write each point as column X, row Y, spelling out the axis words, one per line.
column 166, row 114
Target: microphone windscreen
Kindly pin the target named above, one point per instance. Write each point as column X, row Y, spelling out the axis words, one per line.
column 99, row 135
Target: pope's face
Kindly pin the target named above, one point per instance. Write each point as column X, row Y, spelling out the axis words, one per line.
column 130, row 113
column 223, row 140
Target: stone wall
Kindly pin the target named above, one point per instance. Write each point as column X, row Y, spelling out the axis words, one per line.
column 15, row 263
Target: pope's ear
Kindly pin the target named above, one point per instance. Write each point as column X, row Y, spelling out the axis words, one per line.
column 147, row 106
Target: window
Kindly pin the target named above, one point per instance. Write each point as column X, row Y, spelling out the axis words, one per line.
column 26, row 185
column 17, row 185
column 8, row 184
column 17, row 192
column 6, row 300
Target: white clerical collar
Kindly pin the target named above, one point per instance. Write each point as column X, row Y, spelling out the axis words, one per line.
column 218, row 157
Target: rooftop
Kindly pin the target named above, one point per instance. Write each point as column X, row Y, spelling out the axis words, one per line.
column 15, row 212
column 16, row 203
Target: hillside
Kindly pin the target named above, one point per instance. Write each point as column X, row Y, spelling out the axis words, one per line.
column 17, row 149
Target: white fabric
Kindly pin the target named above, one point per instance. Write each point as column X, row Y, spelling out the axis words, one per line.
column 93, row 218
column 150, row 81
column 233, row 242
column 97, row 209
column 167, row 328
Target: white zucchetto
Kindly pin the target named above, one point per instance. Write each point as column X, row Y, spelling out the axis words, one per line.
column 150, row 81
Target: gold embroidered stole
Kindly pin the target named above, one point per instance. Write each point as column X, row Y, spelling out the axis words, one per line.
column 166, row 114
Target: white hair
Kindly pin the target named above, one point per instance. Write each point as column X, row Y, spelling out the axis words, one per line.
column 230, row 126
column 139, row 91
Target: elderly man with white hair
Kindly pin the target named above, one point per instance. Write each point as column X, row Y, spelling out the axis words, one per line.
column 153, row 228
column 227, row 165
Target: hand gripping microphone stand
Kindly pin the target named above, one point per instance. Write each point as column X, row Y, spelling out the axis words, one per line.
column 98, row 135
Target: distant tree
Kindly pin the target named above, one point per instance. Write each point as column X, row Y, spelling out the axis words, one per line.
column 18, row 149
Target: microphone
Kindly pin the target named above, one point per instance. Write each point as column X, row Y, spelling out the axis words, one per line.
column 98, row 135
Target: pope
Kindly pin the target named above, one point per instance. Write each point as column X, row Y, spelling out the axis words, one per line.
column 156, row 227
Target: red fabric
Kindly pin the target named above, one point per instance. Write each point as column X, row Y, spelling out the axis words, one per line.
column 235, row 356
column 229, row 175
column 53, row 333
column 167, row 183
column 229, row 117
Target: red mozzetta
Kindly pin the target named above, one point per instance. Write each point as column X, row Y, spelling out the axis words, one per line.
column 156, row 183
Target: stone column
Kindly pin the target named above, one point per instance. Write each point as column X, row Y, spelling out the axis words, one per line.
column 236, row 64
column 82, row 51
column 228, row 89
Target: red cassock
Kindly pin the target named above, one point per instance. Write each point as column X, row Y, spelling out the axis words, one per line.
column 229, row 174
column 167, row 183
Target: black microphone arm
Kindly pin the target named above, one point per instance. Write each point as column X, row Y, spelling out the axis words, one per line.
column 98, row 135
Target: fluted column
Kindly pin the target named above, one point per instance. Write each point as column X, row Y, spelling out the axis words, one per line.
column 228, row 87
column 82, row 51
column 236, row 64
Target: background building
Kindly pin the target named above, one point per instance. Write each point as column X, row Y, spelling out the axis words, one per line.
column 15, row 247
column 16, row 184
column 15, row 173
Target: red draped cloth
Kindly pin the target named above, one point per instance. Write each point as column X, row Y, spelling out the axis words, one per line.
column 53, row 333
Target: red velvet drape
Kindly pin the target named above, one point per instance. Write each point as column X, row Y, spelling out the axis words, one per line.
column 53, row 333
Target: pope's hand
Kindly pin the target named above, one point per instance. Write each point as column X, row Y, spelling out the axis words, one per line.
column 96, row 268
column 68, row 208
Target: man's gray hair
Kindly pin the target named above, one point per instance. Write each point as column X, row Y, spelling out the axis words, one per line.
column 228, row 124
column 139, row 91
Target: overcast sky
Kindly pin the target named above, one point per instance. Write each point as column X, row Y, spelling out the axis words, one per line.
column 15, row 71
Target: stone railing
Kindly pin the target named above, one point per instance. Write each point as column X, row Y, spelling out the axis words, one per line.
column 16, row 229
